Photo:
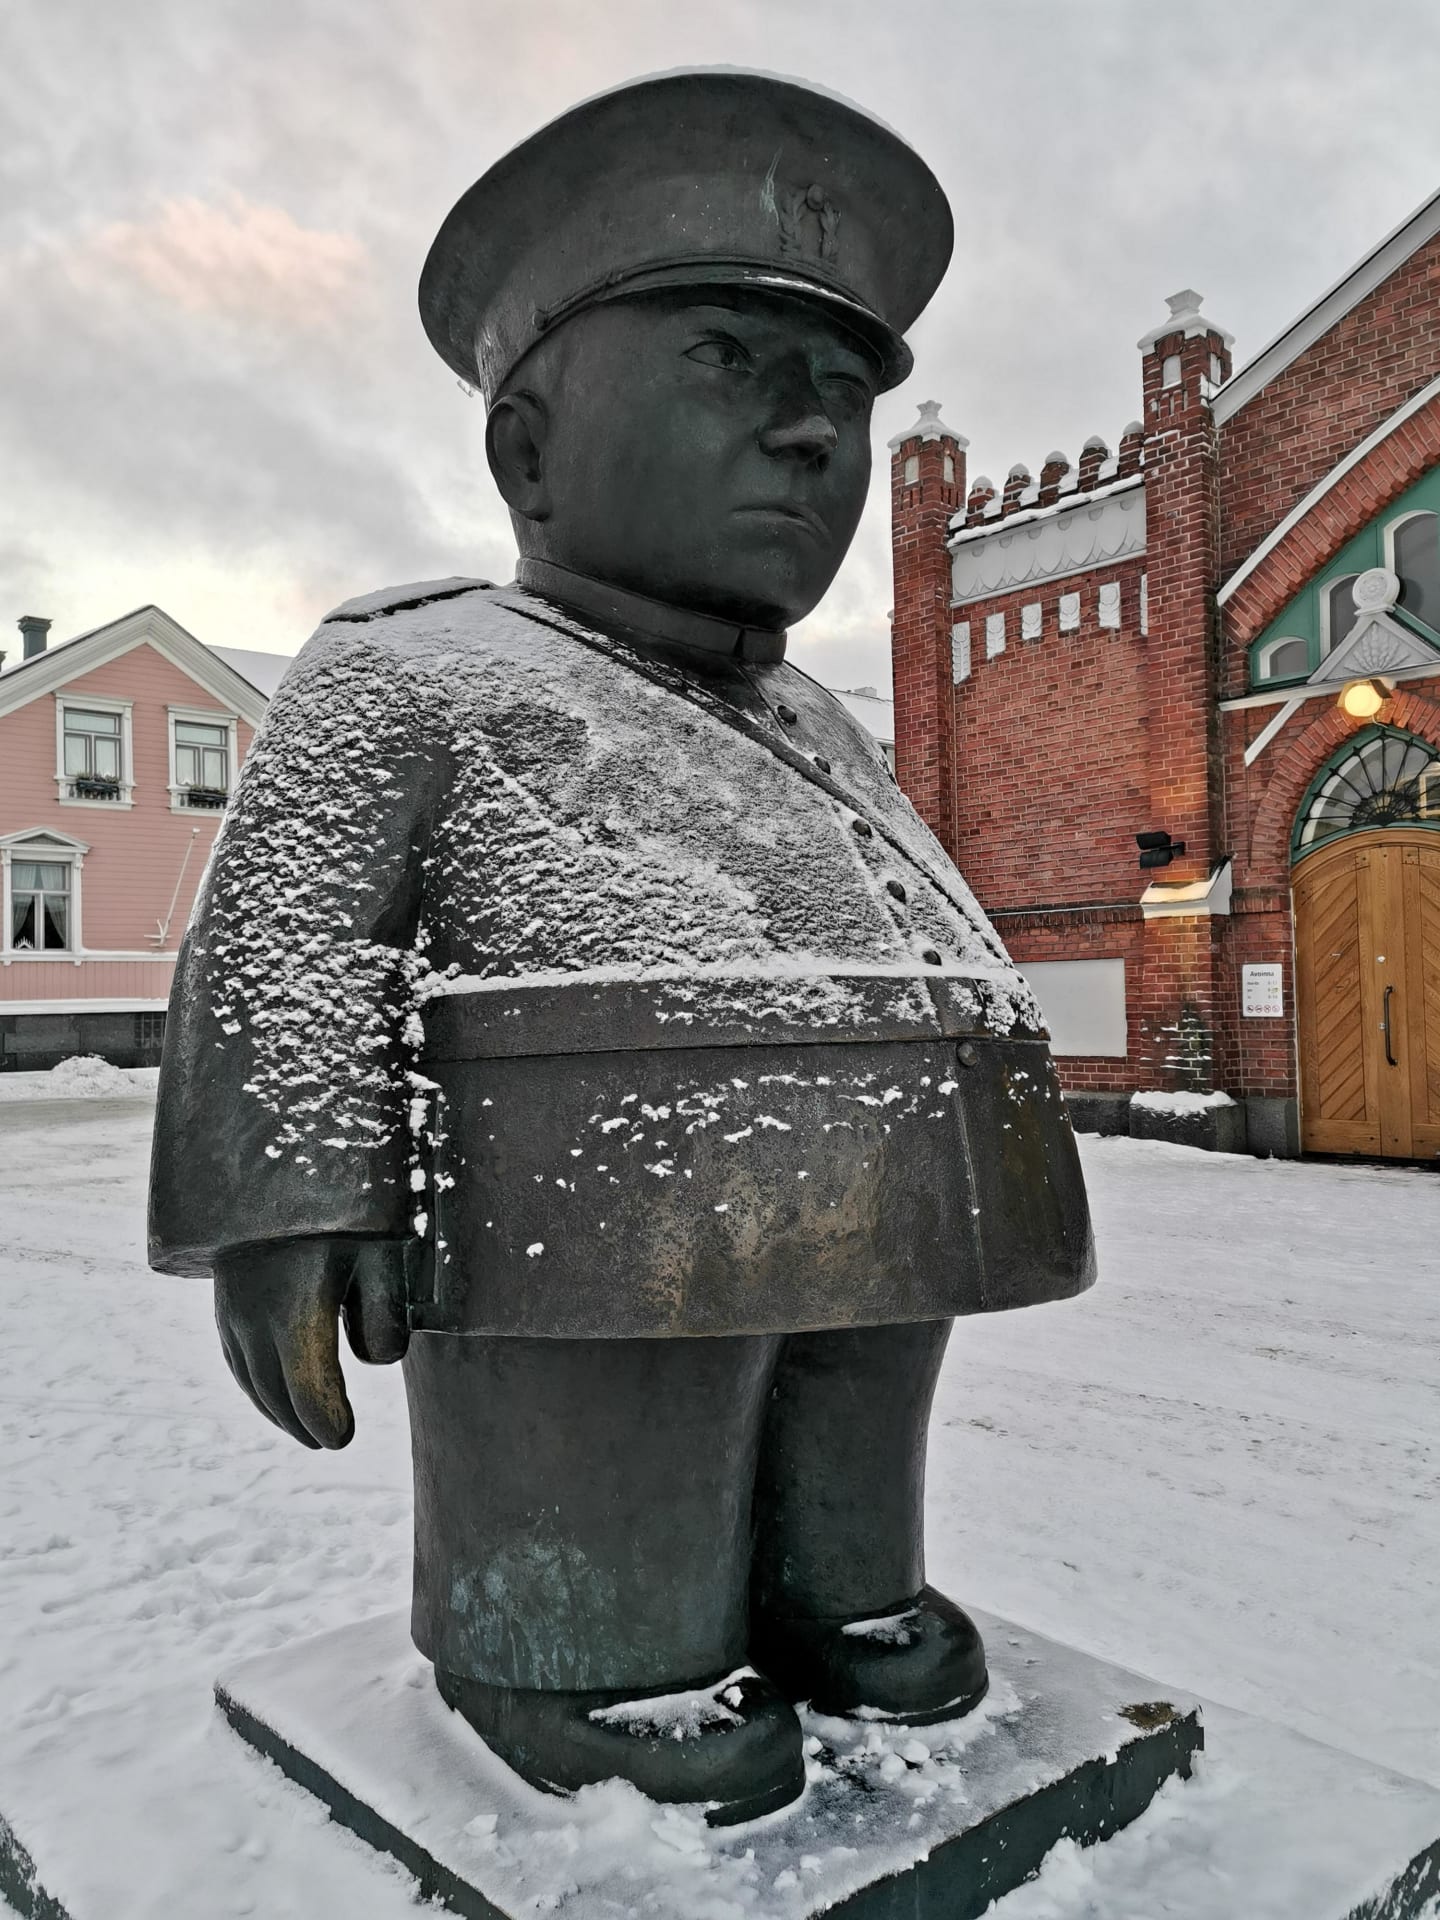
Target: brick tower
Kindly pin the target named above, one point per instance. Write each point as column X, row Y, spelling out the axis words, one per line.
column 927, row 487
column 1185, row 359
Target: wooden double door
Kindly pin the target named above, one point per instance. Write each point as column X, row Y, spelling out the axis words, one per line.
column 1367, row 989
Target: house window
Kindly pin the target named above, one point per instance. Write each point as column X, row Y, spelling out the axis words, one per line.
column 1283, row 659
column 1415, row 557
column 93, row 754
column 40, row 919
column 202, row 763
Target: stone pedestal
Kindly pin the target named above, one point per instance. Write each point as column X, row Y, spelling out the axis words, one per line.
column 921, row 1823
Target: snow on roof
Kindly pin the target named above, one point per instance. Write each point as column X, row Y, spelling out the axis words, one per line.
column 929, row 426
column 874, row 710
column 1332, row 306
column 1184, row 317
column 264, row 671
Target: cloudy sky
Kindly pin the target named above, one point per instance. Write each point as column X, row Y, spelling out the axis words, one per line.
column 215, row 393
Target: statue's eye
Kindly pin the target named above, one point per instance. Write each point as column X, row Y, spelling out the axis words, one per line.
column 846, row 394
column 728, row 355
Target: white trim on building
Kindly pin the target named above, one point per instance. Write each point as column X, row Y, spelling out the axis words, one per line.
column 1332, row 306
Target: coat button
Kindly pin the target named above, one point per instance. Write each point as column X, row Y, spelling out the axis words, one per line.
column 966, row 1054
column 788, row 715
column 822, row 763
column 896, row 887
column 930, row 957
column 862, row 827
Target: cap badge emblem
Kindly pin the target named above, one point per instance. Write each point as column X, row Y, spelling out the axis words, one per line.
column 808, row 222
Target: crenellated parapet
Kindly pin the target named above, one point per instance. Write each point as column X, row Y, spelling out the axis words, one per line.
column 1061, row 482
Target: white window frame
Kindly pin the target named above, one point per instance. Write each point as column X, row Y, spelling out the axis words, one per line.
column 1272, row 647
column 43, row 844
column 95, row 703
column 207, row 717
column 1392, row 527
column 1328, row 640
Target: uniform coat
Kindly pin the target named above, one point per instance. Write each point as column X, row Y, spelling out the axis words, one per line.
column 636, row 990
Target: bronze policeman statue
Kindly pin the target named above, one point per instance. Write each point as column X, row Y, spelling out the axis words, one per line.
column 575, row 1006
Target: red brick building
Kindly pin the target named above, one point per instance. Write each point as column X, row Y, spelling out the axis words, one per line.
column 1226, row 631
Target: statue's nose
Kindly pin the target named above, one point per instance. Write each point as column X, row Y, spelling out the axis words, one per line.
column 807, row 433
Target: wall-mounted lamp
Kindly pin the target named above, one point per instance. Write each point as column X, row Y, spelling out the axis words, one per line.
column 1158, row 849
column 1363, row 699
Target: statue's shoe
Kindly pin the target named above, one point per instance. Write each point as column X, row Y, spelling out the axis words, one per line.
column 922, row 1663
column 733, row 1743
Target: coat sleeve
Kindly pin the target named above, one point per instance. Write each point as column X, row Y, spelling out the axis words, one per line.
column 283, row 1099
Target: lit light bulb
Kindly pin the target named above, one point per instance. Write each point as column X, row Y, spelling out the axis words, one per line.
column 1363, row 699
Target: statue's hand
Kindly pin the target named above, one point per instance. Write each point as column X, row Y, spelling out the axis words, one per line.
column 278, row 1309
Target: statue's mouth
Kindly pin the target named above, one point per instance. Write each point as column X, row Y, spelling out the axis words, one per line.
column 787, row 513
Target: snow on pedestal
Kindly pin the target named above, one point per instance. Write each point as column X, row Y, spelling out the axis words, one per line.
column 966, row 1811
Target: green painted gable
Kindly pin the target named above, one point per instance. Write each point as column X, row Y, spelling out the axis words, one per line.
column 1301, row 619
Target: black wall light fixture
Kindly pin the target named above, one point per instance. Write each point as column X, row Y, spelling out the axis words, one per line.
column 1158, row 849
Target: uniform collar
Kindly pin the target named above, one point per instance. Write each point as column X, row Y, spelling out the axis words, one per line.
column 651, row 620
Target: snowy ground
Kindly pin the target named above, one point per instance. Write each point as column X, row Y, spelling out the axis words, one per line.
column 1220, row 1468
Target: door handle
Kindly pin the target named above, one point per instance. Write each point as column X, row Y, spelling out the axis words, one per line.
column 1385, row 1023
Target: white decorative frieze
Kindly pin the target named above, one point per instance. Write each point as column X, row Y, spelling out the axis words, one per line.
column 960, row 651
column 1071, row 537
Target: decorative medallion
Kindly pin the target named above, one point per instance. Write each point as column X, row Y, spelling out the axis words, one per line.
column 1375, row 589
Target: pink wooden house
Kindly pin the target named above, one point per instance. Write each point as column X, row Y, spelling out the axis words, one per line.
column 118, row 750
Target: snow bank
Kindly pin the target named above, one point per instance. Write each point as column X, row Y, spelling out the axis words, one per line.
column 84, row 1077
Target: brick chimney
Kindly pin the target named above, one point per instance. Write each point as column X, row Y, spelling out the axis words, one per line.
column 927, row 489
column 33, row 631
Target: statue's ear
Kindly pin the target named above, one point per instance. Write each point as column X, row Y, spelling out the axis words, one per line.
column 515, row 435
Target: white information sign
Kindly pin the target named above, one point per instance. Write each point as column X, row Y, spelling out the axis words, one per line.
column 1262, row 991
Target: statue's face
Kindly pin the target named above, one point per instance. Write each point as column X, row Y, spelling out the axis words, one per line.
column 710, row 449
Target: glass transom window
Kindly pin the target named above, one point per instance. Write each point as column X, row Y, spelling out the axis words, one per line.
column 1381, row 778
column 40, row 906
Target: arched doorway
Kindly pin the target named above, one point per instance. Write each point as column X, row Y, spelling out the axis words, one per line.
column 1367, row 950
